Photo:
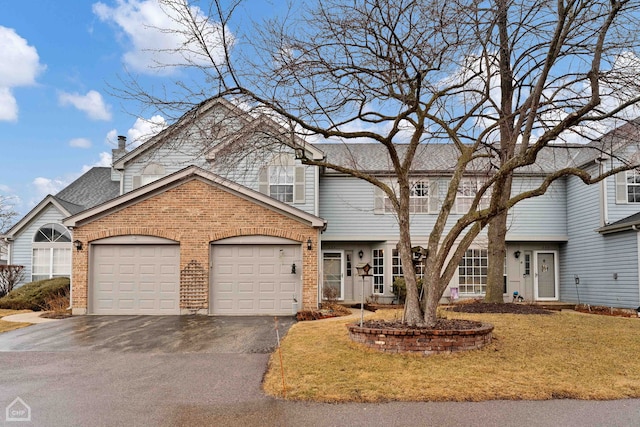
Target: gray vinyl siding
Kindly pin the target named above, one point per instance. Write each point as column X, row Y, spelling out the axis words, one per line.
column 348, row 206
column 540, row 216
column 245, row 172
column 22, row 248
column 594, row 257
column 617, row 211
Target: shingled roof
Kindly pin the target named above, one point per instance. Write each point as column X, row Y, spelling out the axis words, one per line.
column 438, row 158
column 91, row 189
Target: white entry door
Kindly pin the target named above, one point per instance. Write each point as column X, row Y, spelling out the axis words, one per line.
column 546, row 275
column 332, row 275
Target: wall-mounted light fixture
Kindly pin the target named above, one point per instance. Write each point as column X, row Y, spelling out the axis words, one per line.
column 516, row 254
column 309, row 244
column 77, row 244
column 360, row 254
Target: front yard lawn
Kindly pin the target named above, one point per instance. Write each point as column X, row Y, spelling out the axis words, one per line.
column 563, row 355
column 9, row 326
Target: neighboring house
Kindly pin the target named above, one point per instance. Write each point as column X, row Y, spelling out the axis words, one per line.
column 242, row 227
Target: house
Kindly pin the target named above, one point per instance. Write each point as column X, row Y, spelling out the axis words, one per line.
column 240, row 226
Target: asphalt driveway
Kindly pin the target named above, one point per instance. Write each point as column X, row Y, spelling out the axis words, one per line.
column 150, row 334
column 192, row 371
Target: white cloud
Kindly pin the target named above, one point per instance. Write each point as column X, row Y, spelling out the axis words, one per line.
column 46, row 186
column 92, row 103
column 103, row 161
column 159, row 43
column 8, row 105
column 143, row 129
column 20, row 66
column 80, row 143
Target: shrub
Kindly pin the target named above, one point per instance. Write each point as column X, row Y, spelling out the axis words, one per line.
column 9, row 276
column 34, row 295
column 400, row 289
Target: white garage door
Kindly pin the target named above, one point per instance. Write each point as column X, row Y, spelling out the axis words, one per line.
column 135, row 279
column 254, row 279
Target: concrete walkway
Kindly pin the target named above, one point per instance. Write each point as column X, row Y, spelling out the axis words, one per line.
column 30, row 317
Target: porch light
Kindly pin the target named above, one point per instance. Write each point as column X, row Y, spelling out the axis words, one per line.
column 77, row 244
column 360, row 254
column 309, row 244
column 516, row 254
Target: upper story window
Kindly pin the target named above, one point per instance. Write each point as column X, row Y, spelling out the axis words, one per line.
column 283, row 180
column 150, row 173
column 628, row 187
column 51, row 252
column 422, row 197
column 467, row 191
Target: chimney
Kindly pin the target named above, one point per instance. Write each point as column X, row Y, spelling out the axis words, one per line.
column 116, row 153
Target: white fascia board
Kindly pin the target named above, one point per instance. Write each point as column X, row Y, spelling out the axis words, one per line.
column 177, row 178
column 33, row 213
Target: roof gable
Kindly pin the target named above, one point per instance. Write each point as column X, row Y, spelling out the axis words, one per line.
column 242, row 119
column 178, row 178
column 34, row 213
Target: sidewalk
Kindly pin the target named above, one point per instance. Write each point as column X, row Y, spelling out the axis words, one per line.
column 31, row 317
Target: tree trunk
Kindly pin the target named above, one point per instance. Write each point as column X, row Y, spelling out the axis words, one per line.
column 413, row 313
column 496, row 252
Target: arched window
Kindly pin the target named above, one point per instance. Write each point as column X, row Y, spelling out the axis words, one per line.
column 51, row 252
column 152, row 172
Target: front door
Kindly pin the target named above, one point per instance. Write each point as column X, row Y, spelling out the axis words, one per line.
column 546, row 276
column 332, row 275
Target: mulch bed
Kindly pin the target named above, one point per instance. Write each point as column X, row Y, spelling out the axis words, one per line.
column 606, row 311
column 507, row 308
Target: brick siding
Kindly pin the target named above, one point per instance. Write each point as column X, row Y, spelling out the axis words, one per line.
column 195, row 214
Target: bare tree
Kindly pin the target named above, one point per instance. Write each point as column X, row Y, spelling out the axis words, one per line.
column 7, row 213
column 10, row 275
column 499, row 81
column 7, row 216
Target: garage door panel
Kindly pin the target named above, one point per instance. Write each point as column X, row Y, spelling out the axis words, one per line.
column 248, row 279
column 246, row 252
column 135, row 279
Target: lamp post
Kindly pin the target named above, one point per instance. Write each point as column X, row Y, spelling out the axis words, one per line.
column 363, row 271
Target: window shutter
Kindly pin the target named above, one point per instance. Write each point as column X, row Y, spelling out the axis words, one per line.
column 621, row 188
column 299, row 185
column 378, row 201
column 434, row 197
column 263, row 178
column 137, row 182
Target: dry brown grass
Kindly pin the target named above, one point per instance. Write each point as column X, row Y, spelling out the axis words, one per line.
column 565, row 355
column 9, row 326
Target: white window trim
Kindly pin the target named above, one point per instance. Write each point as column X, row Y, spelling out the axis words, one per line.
column 379, row 275
column 464, row 286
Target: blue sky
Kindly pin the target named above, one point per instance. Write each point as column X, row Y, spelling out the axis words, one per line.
column 57, row 62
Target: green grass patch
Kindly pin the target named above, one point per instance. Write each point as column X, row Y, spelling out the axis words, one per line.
column 34, row 295
column 533, row 357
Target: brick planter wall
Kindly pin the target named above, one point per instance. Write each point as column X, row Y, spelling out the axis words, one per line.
column 423, row 341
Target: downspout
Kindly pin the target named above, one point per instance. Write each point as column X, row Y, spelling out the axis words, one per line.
column 603, row 193
column 71, row 276
column 635, row 228
column 121, row 181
